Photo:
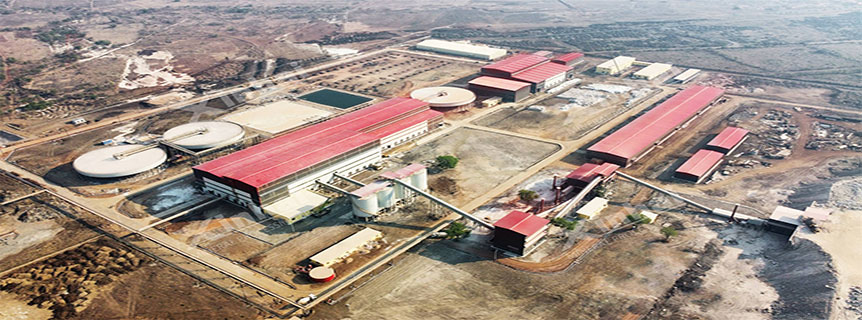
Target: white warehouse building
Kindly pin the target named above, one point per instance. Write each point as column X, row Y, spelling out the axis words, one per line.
column 615, row 66
column 461, row 49
column 652, row 71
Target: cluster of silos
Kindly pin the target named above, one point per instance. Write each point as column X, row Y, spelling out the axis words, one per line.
column 383, row 194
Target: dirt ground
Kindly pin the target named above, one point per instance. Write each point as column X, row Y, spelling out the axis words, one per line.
column 38, row 226
column 391, row 74
column 560, row 119
column 485, row 159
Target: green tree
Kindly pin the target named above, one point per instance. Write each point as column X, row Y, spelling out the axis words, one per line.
column 669, row 232
column 601, row 191
column 103, row 43
column 447, row 162
column 527, row 195
column 457, row 230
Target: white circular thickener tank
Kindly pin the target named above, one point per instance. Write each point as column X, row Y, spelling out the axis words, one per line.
column 119, row 161
column 204, row 134
column 444, row 97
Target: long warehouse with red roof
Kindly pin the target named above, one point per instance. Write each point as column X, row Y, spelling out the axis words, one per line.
column 631, row 142
column 275, row 169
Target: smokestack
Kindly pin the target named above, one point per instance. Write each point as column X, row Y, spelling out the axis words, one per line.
column 541, row 205
column 733, row 213
column 557, row 196
column 554, row 185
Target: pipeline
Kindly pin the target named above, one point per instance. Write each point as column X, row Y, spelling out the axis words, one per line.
column 580, row 196
column 445, row 204
column 334, row 188
column 335, row 174
column 668, row 193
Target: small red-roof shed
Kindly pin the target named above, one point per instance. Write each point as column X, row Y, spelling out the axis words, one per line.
column 569, row 58
column 584, row 174
column 522, row 223
column 728, row 140
column 518, row 231
column 699, row 165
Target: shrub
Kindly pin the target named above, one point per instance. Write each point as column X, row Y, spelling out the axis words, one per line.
column 563, row 223
column 639, row 218
column 528, row 195
column 457, row 230
column 447, row 162
column 669, row 232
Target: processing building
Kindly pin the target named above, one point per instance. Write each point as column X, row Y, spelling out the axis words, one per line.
column 615, row 66
column 631, row 142
column 537, row 70
column 461, row 49
column 518, row 232
column 268, row 177
column 509, row 90
column 583, row 175
column 699, row 166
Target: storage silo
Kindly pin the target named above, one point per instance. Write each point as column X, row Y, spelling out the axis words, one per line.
column 419, row 179
column 386, row 197
column 365, row 207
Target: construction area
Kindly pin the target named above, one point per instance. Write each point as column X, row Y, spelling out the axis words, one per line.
column 333, row 194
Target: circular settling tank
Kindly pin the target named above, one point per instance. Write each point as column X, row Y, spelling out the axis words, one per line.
column 321, row 274
column 204, row 134
column 444, row 97
column 119, row 161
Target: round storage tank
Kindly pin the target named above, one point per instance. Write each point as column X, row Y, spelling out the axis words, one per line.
column 365, row 207
column 321, row 274
column 420, row 180
column 400, row 191
column 444, row 97
column 386, row 198
column 204, row 135
column 119, row 161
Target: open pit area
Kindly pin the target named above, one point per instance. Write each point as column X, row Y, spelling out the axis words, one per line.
column 486, row 160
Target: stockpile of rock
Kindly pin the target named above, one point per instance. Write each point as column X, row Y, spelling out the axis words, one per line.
column 63, row 283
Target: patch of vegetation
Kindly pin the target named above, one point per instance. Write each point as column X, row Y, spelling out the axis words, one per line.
column 59, row 34
column 457, row 230
column 527, row 195
column 639, row 218
column 563, row 223
column 36, row 105
column 103, row 43
column 355, row 37
column 447, row 162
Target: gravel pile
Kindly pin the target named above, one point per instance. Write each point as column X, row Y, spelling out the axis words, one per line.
column 847, row 194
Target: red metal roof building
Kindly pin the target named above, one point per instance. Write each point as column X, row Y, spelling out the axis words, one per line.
column 518, row 231
column 533, row 68
column 281, row 162
column 585, row 174
column 699, row 166
column 509, row 90
column 728, row 140
column 569, row 59
column 507, row 67
column 544, row 76
column 629, row 143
